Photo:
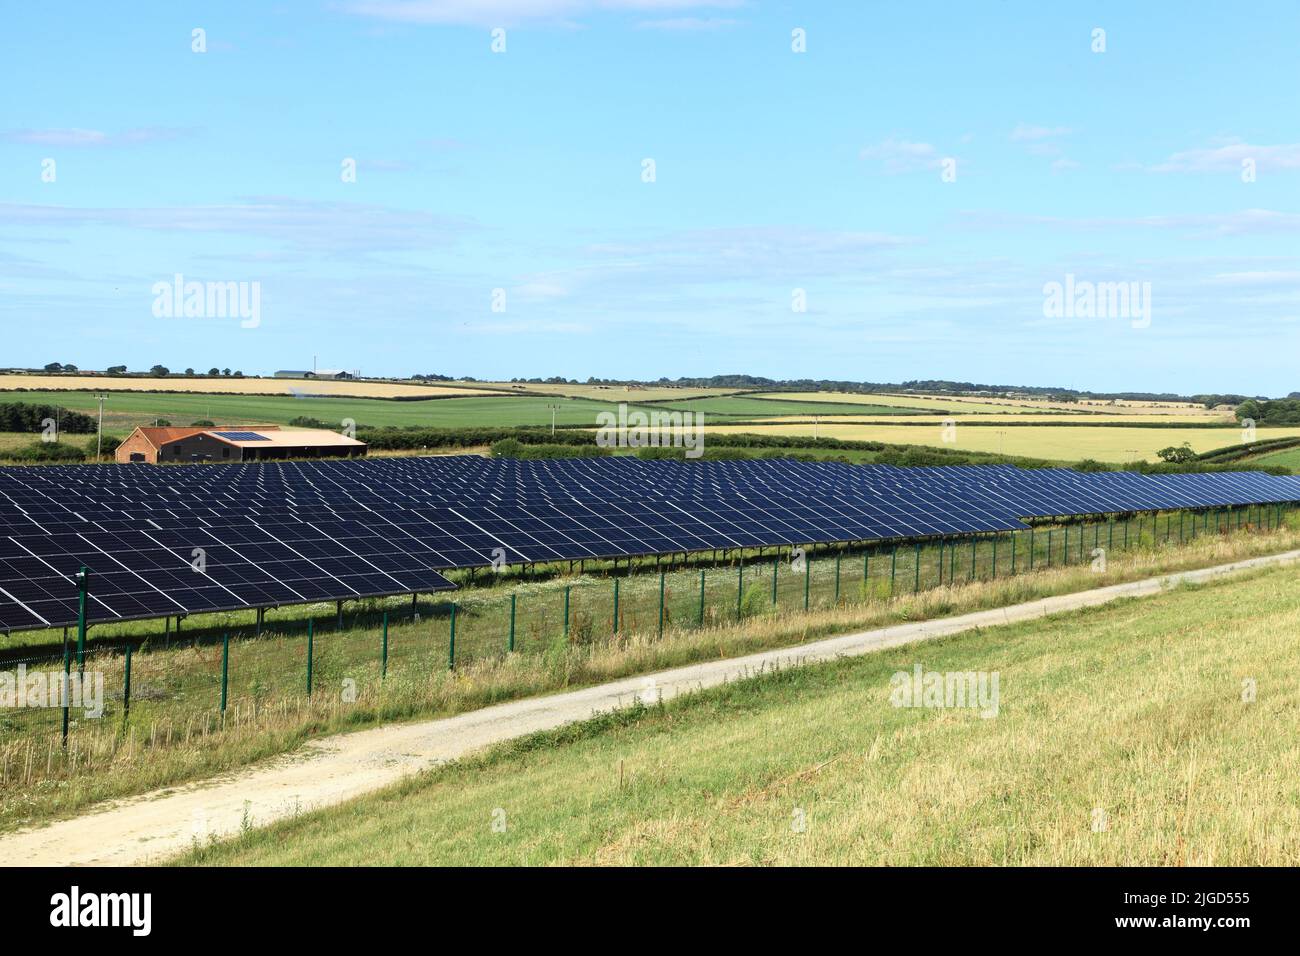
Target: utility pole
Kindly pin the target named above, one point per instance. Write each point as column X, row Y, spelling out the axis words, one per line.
column 99, row 438
column 553, row 409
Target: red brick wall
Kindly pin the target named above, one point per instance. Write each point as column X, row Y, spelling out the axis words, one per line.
column 136, row 444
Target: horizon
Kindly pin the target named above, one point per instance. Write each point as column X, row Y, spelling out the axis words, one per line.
column 871, row 208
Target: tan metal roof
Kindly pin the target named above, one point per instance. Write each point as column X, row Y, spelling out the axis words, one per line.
column 289, row 438
column 160, row 435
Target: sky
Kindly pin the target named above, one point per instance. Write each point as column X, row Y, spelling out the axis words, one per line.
column 875, row 191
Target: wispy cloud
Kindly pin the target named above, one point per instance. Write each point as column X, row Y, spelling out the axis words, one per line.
column 308, row 226
column 1195, row 225
column 73, row 138
column 508, row 12
column 1228, row 157
column 1025, row 132
column 687, row 24
column 902, row 156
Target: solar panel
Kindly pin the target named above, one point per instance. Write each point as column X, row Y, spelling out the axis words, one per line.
column 294, row 532
column 241, row 436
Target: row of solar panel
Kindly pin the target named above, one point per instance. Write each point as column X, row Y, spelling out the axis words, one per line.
column 285, row 533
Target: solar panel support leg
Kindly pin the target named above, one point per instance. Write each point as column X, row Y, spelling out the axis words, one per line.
column 340, row 619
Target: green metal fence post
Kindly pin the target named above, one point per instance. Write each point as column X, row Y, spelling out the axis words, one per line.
column 126, row 686
column 972, row 557
column 995, row 555
column 893, row 568
column 383, row 654
column 83, row 588
column 310, row 642
column 700, row 619
column 1049, row 547
column 916, row 569
column 866, row 566
column 1031, row 549
column 837, row 577
column 1013, row 554
column 940, row 563
column 807, row 580
column 616, row 605
column 661, row 604
column 513, row 602
column 566, row 610
column 225, row 669
column 775, row 561
column 740, row 586
column 67, row 679
column 451, row 640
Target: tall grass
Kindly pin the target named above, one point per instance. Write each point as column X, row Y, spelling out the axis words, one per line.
column 175, row 731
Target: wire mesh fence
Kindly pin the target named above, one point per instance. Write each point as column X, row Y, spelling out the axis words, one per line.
column 169, row 689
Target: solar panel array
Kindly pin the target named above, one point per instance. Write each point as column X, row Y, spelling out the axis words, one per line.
column 188, row 539
column 242, row 436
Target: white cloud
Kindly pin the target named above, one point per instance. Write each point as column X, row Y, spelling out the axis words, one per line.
column 1025, row 132
column 494, row 13
column 1229, row 157
column 901, row 155
column 318, row 227
column 687, row 24
column 1195, row 225
column 91, row 138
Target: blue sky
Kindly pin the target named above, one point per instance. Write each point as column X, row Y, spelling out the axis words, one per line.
column 775, row 171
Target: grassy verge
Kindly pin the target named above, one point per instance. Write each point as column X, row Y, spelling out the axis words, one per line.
column 176, row 734
column 1124, row 735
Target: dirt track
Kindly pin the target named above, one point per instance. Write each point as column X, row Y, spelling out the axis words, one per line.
column 159, row 824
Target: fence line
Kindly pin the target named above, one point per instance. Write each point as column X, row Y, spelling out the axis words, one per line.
column 160, row 693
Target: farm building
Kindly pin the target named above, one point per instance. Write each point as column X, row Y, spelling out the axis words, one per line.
column 161, row 445
column 325, row 373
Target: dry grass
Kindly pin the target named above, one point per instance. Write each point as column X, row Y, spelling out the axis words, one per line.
column 615, row 393
column 1123, row 737
column 1055, row 442
column 271, row 715
column 235, row 386
column 975, row 404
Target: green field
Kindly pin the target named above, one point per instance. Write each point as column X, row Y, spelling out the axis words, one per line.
column 1123, row 735
column 742, row 407
column 1289, row 458
column 125, row 410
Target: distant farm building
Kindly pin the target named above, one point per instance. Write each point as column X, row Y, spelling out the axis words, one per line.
column 163, row 445
column 325, row 373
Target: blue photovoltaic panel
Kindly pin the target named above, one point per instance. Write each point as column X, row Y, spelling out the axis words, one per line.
column 296, row 532
column 242, row 436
